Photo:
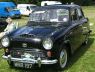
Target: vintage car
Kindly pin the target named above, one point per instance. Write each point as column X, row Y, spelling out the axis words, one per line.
column 51, row 36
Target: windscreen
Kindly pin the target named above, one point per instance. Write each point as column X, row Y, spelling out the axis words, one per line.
column 50, row 15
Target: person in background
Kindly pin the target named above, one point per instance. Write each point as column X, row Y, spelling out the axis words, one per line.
column 10, row 27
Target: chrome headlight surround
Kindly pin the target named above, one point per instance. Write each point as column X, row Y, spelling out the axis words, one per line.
column 5, row 41
column 48, row 43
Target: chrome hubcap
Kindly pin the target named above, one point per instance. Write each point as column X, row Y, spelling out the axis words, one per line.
column 63, row 58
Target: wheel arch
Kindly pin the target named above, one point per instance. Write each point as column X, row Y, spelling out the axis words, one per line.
column 68, row 48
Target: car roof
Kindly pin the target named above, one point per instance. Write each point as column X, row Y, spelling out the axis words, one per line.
column 26, row 5
column 58, row 6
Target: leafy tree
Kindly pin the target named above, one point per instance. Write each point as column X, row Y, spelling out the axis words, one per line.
column 79, row 2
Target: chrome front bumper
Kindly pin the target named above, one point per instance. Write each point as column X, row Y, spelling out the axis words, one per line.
column 29, row 60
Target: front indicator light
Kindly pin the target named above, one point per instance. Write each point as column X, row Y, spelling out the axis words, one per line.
column 49, row 53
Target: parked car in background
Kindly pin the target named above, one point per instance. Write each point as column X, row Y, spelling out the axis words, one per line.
column 8, row 9
column 3, row 24
column 44, row 3
column 52, row 34
column 26, row 9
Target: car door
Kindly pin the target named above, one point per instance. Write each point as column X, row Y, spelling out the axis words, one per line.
column 84, row 22
column 75, row 33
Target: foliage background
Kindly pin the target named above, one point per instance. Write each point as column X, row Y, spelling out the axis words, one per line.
column 79, row 2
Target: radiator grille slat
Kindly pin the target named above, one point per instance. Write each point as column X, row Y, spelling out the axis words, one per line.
column 34, row 52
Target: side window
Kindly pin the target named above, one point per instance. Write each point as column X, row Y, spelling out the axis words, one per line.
column 74, row 15
column 80, row 13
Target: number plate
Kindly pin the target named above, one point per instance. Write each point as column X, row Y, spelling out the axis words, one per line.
column 18, row 64
column 25, row 65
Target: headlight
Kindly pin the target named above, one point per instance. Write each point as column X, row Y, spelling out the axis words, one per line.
column 47, row 44
column 5, row 42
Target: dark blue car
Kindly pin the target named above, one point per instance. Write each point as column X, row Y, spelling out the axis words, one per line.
column 8, row 9
column 51, row 36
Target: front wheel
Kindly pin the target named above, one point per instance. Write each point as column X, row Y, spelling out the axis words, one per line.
column 63, row 58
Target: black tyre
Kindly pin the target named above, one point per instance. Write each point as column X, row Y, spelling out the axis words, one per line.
column 62, row 58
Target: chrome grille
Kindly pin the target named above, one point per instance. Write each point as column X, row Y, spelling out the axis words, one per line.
column 34, row 52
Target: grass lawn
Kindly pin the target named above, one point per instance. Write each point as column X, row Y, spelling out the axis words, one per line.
column 82, row 61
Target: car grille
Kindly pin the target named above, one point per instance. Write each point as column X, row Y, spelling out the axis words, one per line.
column 29, row 45
column 35, row 53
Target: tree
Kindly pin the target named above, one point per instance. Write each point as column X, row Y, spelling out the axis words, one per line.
column 79, row 2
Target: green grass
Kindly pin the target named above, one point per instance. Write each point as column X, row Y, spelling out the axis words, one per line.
column 82, row 61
